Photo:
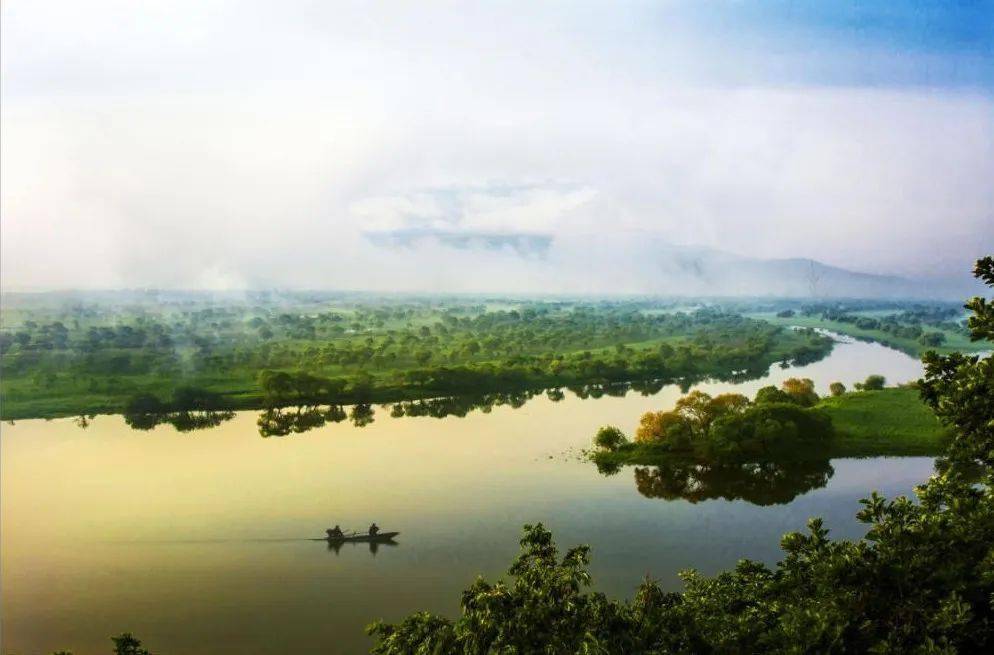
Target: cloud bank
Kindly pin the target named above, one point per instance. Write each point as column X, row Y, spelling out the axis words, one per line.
column 523, row 149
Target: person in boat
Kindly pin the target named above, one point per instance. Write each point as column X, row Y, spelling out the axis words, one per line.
column 335, row 533
column 373, row 529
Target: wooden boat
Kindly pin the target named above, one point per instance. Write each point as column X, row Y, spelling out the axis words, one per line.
column 379, row 536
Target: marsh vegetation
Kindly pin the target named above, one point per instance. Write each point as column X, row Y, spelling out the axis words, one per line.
column 86, row 356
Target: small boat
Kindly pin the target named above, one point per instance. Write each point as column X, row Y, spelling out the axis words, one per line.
column 379, row 536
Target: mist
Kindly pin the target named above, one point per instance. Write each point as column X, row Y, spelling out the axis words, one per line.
column 621, row 149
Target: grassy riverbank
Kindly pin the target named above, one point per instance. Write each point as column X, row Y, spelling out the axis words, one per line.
column 954, row 341
column 887, row 422
column 891, row 422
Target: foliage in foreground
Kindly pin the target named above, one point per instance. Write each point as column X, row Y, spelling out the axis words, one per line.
column 921, row 581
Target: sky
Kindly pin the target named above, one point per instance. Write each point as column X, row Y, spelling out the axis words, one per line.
column 513, row 146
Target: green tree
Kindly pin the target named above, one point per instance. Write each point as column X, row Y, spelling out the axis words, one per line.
column 609, row 438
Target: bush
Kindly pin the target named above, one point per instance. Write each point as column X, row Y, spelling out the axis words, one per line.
column 770, row 394
column 872, row 383
column 610, row 438
column 767, row 430
column 837, row 388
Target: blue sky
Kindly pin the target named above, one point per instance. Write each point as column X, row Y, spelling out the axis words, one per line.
column 945, row 44
column 860, row 134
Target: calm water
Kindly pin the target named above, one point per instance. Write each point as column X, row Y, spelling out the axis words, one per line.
column 195, row 541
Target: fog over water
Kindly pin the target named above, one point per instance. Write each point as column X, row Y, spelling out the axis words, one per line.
column 513, row 148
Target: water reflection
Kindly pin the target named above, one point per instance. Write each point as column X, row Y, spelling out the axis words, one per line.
column 183, row 421
column 281, row 421
column 460, row 406
column 374, row 546
column 760, row 483
column 286, row 420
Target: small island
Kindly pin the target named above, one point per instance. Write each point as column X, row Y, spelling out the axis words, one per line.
column 790, row 423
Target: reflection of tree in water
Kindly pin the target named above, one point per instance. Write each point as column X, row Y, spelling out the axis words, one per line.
column 281, row 421
column 460, row 405
column 183, row 421
column 760, row 483
column 361, row 415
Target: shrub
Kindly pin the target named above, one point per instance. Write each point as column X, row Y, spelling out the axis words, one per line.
column 872, row 383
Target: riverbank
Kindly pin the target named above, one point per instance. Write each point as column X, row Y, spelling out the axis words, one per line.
column 953, row 341
column 671, row 360
column 891, row 422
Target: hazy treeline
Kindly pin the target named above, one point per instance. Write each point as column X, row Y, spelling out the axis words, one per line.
column 90, row 358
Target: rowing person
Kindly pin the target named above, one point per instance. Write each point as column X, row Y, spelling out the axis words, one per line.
column 373, row 529
column 335, row 532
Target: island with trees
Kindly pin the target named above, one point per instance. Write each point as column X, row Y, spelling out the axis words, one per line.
column 790, row 423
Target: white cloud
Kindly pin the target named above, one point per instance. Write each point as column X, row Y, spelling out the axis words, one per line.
column 192, row 145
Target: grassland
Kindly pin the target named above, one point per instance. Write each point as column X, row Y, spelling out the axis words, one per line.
column 888, row 422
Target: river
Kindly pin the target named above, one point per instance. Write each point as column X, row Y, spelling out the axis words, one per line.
column 197, row 542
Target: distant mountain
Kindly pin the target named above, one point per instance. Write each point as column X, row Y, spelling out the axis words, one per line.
column 692, row 270
column 643, row 263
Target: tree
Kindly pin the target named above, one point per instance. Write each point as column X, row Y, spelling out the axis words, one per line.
column 801, row 390
column 609, row 438
column 696, row 407
column 126, row 644
column 960, row 388
column 770, row 394
column 668, row 428
column 837, row 388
